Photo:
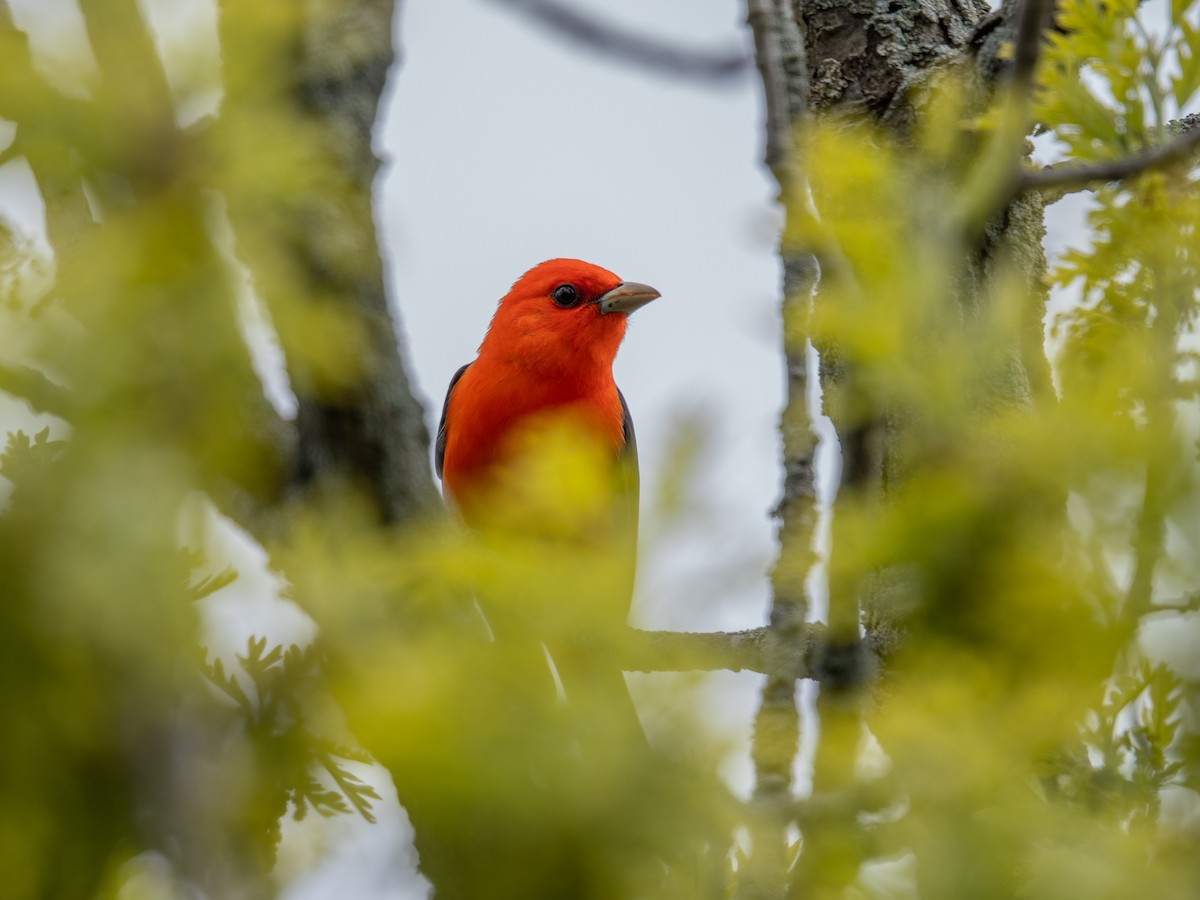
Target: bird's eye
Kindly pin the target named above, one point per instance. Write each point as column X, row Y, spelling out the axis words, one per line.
column 565, row 296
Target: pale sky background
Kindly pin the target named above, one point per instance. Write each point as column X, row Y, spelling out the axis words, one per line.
column 508, row 146
column 503, row 146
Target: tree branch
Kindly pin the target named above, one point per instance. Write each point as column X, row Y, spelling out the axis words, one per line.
column 807, row 654
column 627, row 46
column 1027, row 42
column 42, row 394
column 1071, row 176
column 672, row 651
column 135, row 97
column 763, row 18
column 1014, row 22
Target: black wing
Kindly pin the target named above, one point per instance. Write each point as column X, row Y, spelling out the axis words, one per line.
column 629, row 463
column 439, row 447
column 628, row 454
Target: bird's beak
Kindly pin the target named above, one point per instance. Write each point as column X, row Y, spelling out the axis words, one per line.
column 626, row 297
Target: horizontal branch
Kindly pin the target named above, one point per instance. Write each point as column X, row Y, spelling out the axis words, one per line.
column 809, row 656
column 42, row 394
column 650, row 53
column 1073, row 175
column 687, row 651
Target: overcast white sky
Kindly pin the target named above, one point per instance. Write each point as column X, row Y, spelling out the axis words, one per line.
column 508, row 146
column 505, row 146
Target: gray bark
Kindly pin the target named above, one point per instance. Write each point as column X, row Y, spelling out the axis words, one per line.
column 368, row 434
column 375, row 435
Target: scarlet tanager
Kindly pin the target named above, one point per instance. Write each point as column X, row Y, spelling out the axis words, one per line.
column 548, row 352
column 550, row 347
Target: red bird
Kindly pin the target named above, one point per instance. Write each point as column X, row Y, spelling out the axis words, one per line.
column 548, row 355
column 550, row 349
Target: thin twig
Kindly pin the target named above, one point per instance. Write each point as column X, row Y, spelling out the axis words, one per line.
column 763, row 18
column 805, row 654
column 42, row 394
column 672, row 651
column 1027, row 43
column 1074, row 176
column 993, row 185
column 611, row 40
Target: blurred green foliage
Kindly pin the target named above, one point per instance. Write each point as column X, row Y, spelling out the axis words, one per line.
column 1019, row 540
column 1021, row 740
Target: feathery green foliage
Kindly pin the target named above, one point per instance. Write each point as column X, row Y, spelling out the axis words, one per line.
column 1027, row 726
column 1014, row 551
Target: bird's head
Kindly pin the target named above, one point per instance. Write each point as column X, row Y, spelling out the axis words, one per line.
column 565, row 313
